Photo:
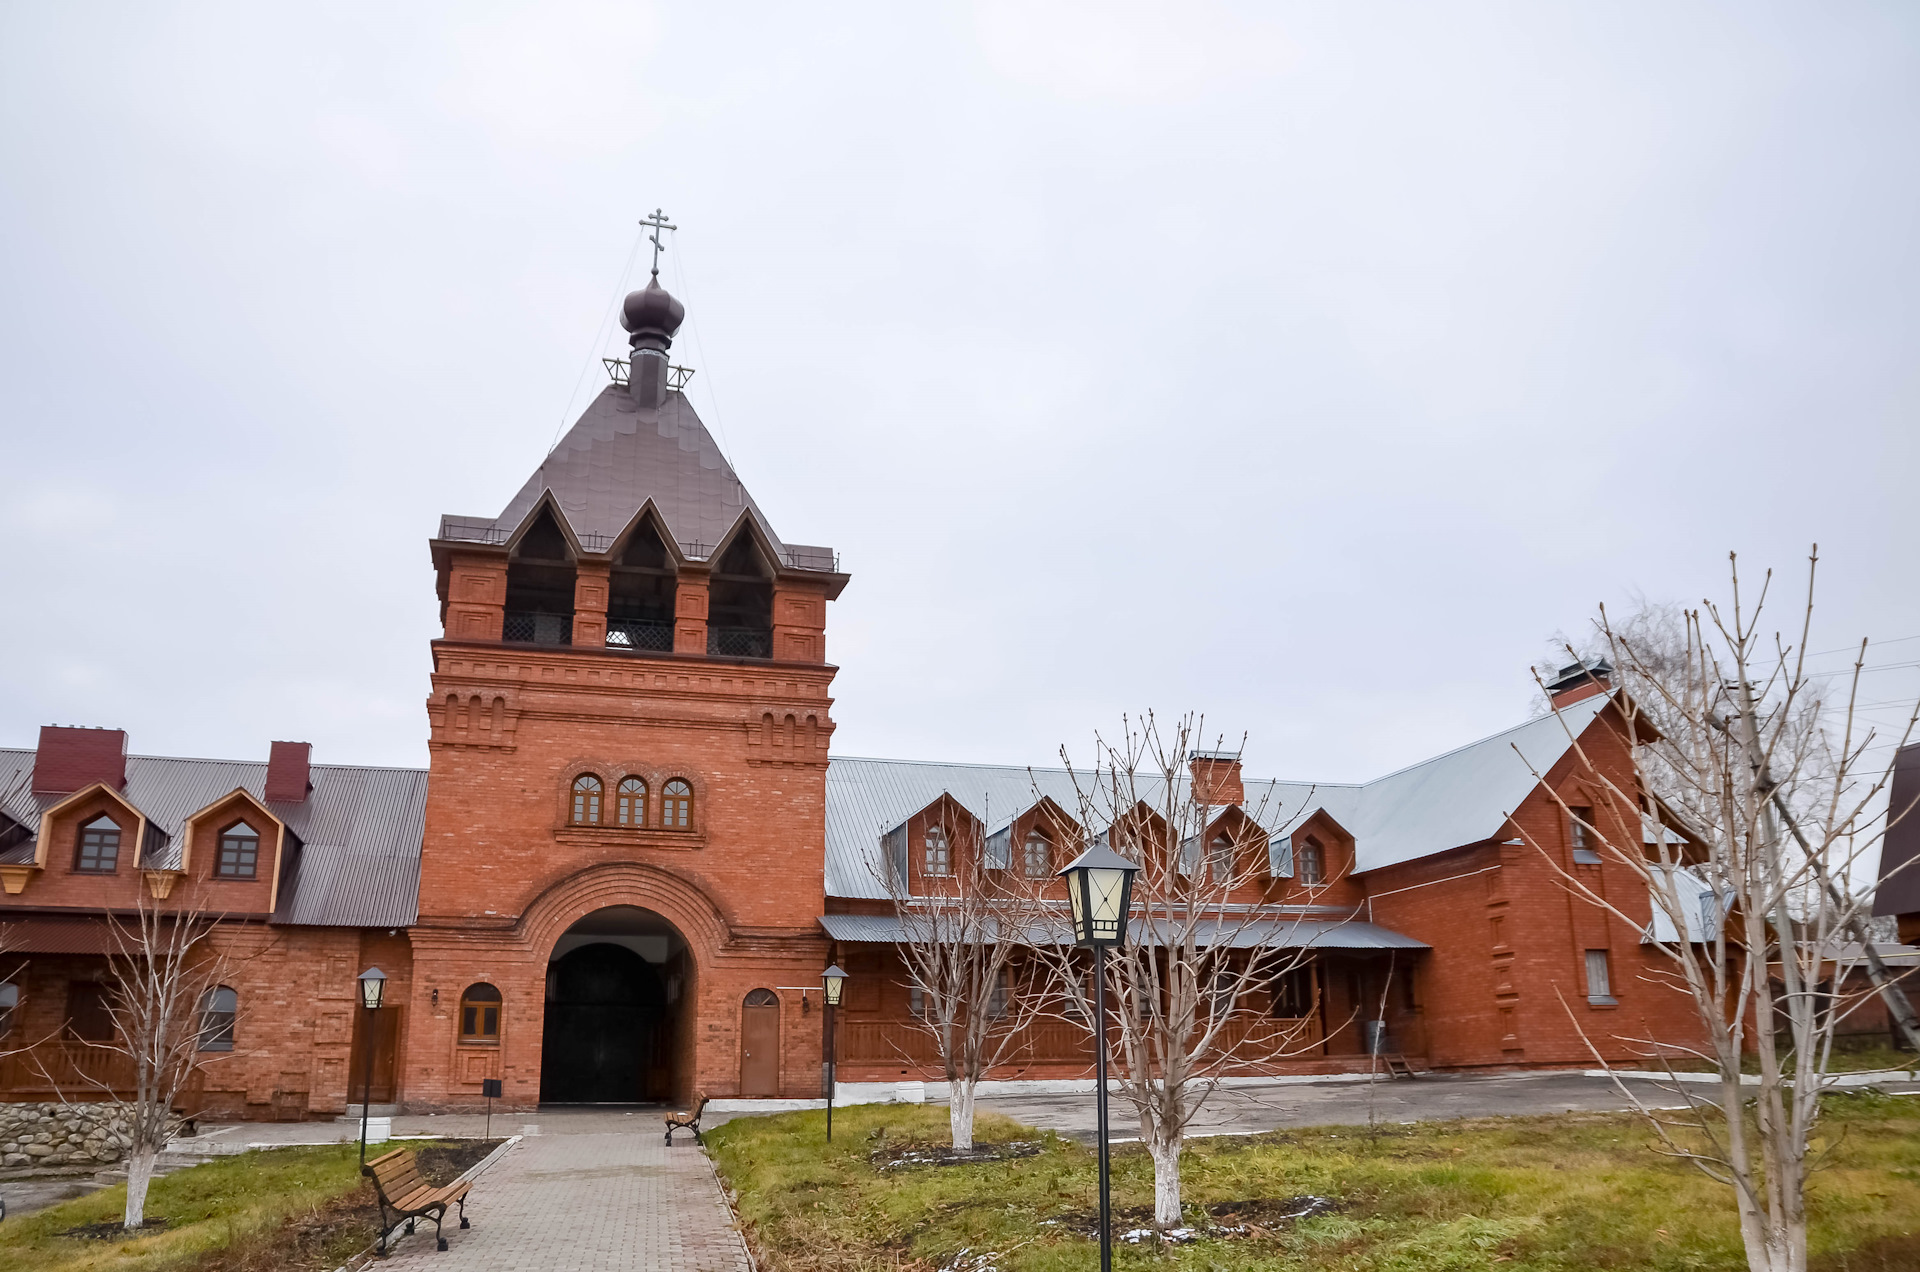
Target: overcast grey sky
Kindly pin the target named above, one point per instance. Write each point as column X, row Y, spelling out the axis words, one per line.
column 1307, row 365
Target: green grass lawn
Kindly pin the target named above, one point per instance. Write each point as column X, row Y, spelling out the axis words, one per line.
column 1568, row 1192
column 291, row 1207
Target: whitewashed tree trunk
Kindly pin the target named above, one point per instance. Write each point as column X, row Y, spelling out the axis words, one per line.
column 960, row 1113
column 1164, row 1147
column 140, row 1162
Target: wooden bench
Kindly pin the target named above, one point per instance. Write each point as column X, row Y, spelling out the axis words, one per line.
column 688, row 1121
column 396, row 1177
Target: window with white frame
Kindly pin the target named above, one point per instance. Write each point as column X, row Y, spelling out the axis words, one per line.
column 1599, row 978
column 1586, row 851
column 938, row 857
column 1038, row 855
column 1222, row 859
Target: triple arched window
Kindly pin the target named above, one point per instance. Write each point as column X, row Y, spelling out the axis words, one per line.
column 480, row 1015
column 629, row 808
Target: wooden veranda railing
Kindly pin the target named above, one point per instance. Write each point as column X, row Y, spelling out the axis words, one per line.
column 70, row 1071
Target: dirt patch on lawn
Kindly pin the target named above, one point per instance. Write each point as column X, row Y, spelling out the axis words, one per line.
column 906, row 1156
column 112, row 1230
column 1254, row 1217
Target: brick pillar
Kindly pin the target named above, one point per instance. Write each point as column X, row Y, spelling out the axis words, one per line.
column 476, row 597
column 799, row 623
column 690, row 614
column 590, row 605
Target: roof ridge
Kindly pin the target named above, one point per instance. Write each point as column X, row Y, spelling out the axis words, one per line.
column 1600, row 699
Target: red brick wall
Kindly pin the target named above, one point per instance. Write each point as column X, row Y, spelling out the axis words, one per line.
column 505, row 875
column 1505, row 983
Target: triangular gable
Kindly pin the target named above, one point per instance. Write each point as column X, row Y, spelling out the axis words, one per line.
column 237, row 797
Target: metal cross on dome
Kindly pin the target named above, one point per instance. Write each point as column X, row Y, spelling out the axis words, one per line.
column 659, row 222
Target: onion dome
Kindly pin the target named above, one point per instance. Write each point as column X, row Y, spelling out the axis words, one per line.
column 651, row 315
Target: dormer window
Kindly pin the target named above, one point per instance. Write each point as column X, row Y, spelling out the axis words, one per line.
column 1222, row 859
column 99, row 848
column 1312, row 863
column 1037, row 856
column 586, row 800
column 239, row 852
column 937, row 859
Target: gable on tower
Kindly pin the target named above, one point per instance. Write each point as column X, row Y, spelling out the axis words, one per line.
column 635, row 535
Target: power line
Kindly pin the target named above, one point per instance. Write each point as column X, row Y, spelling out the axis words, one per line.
column 599, row 336
column 693, row 322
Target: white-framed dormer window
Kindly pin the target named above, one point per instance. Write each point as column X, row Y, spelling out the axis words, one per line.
column 1599, row 979
column 938, row 856
column 1221, row 854
column 1037, row 856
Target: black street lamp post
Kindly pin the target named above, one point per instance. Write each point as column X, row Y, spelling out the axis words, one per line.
column 1100, row 895
column 373, row 987
column 832, row 981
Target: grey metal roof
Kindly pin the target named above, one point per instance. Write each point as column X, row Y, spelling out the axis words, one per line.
column 360, row 829
column 1462, row 797
column 1289, row 933
column 614, row 459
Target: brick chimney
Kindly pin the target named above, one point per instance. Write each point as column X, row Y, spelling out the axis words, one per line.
column 289, row 772
column 1216, row 777
column 1580, row 680
column 69, row 759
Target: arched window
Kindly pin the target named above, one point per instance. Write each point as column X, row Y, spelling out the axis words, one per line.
column 762, row 998
column 239, row 852
column 9, row 1000
column 938, row 857
column 1038, row 856
column 99, row 849
column 676, row 805
column 1313, row 862
column 631, row 806
column 586, row 800
column 218, row 1008
column 480, row 1015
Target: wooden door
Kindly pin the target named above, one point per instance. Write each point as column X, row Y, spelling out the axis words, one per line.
column 382, row 1032
column 760, row 1043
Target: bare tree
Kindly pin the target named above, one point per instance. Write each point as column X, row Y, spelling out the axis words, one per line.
column 161, row 985
column 1191, row 987
column 965, row 931
column 1750, row 789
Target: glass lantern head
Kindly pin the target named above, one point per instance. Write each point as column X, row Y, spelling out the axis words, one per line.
column 832, row 981
column 373, row 987
column 1100, row 895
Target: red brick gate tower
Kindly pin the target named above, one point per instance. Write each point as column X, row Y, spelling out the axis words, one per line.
column 623, row 862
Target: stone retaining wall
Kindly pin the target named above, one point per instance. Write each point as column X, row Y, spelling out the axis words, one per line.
column 61, row 1134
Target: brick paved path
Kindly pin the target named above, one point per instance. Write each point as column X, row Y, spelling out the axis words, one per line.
column 587, row 1202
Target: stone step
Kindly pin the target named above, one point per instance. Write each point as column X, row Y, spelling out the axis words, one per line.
column 379, row 1110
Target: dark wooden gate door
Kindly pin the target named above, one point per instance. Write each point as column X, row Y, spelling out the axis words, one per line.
column 760, row 1044
column 381, row 1030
